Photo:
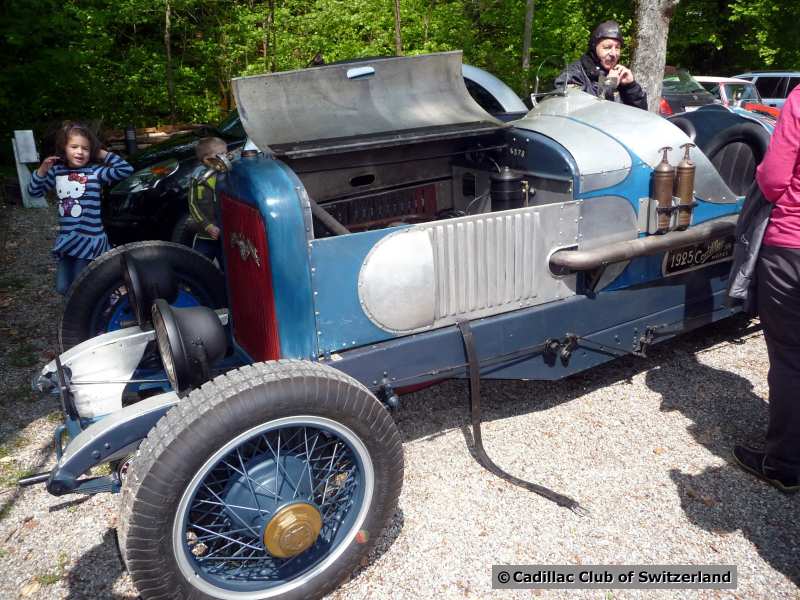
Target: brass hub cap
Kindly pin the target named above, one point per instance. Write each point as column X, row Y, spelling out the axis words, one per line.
column 292, row 530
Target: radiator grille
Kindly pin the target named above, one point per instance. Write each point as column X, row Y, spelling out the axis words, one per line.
column 249, row 278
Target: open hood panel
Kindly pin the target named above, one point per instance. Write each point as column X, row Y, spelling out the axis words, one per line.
column 359, row 105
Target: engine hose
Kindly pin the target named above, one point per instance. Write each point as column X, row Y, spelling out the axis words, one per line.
column 475, row 414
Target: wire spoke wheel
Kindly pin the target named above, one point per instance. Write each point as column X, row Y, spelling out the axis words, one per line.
column 247, row 518
column 274, row 480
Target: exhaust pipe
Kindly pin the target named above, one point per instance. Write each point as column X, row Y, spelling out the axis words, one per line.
column 563, row 262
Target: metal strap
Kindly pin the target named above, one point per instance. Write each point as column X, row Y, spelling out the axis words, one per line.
column 475, row 414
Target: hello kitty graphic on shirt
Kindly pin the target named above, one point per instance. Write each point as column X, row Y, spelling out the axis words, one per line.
column 69, row 189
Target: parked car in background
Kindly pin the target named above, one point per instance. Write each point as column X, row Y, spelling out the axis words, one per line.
column 152, row 203
column 680, row 92
column 737, row 92
column 773, row 86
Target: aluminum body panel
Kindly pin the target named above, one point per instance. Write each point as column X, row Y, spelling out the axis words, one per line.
column 436, row 273
column 625, row 124
column 294, row 108
column 396, row 281
column 606, row 219
column 100, row 369
column 602, row 161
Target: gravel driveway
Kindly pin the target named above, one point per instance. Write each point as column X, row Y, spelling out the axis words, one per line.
column 642, row 443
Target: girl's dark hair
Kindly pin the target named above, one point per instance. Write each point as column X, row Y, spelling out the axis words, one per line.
column 71, row 128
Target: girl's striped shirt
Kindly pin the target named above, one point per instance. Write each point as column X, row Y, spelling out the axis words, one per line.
column 81, row 232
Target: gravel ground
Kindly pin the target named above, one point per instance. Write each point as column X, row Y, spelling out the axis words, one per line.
column 642, row 443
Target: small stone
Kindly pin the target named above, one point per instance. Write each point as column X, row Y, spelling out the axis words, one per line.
column 29, row 589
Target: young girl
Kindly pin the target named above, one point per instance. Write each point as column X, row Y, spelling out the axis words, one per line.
column 77, row 172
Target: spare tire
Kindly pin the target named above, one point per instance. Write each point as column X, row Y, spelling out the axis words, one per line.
column 736, row 152
column 97, row 300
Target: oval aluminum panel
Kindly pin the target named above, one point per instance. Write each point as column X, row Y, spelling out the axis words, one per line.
column 396, row 282
column 433, row 274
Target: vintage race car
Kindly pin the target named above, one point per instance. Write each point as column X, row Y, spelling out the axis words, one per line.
column 381, row 231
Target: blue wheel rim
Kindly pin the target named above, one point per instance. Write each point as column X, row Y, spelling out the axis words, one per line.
column 121, row 311
column 218, row 531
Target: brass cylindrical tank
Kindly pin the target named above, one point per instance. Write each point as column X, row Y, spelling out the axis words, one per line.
column 663, row 182
column 684, row 188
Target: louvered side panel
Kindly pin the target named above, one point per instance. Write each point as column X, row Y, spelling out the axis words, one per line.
column 484, row 263
column 433, row 274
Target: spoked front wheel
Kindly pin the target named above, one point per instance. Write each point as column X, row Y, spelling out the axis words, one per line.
column 274, row 480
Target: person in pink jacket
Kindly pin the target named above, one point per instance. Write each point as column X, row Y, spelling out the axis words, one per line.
column 778, row 280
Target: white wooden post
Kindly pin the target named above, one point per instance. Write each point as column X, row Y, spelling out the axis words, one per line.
column 25, row 152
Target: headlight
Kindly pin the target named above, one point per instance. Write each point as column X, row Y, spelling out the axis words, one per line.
column 190, row 340
column 147, row 279
column 147, row 178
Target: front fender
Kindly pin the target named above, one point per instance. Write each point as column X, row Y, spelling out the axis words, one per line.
column 111, row 439
column 99, row 369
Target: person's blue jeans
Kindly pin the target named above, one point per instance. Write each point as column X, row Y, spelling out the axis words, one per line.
column 211, row 249
column 69, row 267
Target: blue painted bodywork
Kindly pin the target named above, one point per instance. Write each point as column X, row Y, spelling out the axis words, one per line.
column 608, row 325
column 336, row 262
column 274, row 189
column 341, row 322
column 315, row 282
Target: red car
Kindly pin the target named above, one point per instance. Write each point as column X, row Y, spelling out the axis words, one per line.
column 737, row 92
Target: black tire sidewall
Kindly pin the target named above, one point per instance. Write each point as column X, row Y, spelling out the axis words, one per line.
column 191, row 448
column 90, row 290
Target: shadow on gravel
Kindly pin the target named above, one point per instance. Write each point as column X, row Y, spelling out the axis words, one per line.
column 724, row 411
column 430, row 412
column 82, row 580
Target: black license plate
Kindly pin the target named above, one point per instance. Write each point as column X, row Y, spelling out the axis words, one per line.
column 688, row 258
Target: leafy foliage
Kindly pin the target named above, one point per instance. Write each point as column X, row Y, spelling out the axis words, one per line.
column 105, row 61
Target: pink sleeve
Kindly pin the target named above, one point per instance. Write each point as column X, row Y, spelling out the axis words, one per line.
column 777, row 169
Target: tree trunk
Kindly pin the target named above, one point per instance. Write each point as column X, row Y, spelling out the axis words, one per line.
column 398, row 40
column 650, row 53
column 526, row 43
column 268, row 27
column 168, row 48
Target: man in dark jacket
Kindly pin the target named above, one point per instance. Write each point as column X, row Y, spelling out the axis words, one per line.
column 602, row 58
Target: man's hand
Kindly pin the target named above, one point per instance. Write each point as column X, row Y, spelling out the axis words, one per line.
column 624, row 74
column 46, row 164
column 101, row 154
column 213, row 231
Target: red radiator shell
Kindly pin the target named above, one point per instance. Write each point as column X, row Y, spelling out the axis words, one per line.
column 251, row 295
